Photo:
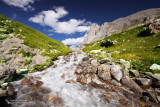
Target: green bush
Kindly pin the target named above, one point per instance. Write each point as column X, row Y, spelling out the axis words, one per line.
column 39, row 67
column 26, row 54
column 28, row 62
column 137, row 65
column 106, row 43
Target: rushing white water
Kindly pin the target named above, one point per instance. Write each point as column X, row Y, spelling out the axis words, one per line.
column 73, row 94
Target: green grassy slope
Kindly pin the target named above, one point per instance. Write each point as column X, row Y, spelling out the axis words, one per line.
column 137, row 45
column 32, row 38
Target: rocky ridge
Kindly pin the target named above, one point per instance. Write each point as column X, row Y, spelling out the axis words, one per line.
column 108, row 28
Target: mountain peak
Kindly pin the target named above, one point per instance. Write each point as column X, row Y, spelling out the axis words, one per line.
column 109, row 28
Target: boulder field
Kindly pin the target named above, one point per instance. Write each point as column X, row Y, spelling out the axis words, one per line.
column 111, row 77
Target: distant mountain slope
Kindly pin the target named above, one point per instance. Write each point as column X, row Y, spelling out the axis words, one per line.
column 140, row 46
column 22, row 47
column 108, row 28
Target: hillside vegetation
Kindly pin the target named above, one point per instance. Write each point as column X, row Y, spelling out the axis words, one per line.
column 33, row 39
column 137, row 45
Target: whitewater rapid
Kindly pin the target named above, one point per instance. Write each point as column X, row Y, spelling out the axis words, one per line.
column 73, row 94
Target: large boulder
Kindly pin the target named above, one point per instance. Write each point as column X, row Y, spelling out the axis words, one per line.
column 3, row 93
column 143, row 81
column 157, row 76
column 128, row 82
column 116, row 72
column 94, row 63
column 104, row 72
column 155, row 67
column 154, row 25
column 85, row 79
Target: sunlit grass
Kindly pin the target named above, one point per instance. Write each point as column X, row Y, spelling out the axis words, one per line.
column 133, row 45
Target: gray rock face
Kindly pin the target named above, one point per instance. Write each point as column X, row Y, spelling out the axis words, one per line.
column 107, row 29
column 92, row 34
column 9, row 51
column 116, row 72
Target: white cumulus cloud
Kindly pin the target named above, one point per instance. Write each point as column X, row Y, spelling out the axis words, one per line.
column 73, row 41
column 24, row 4
column 51, row 18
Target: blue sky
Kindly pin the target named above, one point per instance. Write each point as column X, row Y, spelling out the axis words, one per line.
column 64, row 19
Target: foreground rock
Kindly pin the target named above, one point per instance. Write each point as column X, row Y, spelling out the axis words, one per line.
column 6, row 93
column 126, row 81
column 32, row 90
column 116, row 72
column 111, row 78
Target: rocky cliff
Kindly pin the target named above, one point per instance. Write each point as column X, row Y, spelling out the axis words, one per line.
column 108, row 28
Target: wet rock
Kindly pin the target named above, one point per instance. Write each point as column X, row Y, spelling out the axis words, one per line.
column 25, row 81
column 10, row 90
column 4, row 85
column 74, row 64
column 31, row 81
column 114, row 82
column 110, row 96
column 143, row 81
column 157, row 90
column 3, row 92
column 63, row 76
column 157, row 76
column 43, row 73
column 70, row 81
column 116, row 72
column 38, row 78
column 123, row 101
column 144, row 98
column 85, row 79
column 126, row 81
column 94, row 70
column 37, row 83
column 156, row 84
column 55, row 65
column 94, row 63
column 96, row 80
column 85, row 63
column 158, row 98
column 75, row 58
column 32, row 96
column 151, row 96
column 134, row 73
column 42, row 90
column 104, row 72
column 78, row 70
column 92, row 79
column 85, row 59
column 58, row 101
